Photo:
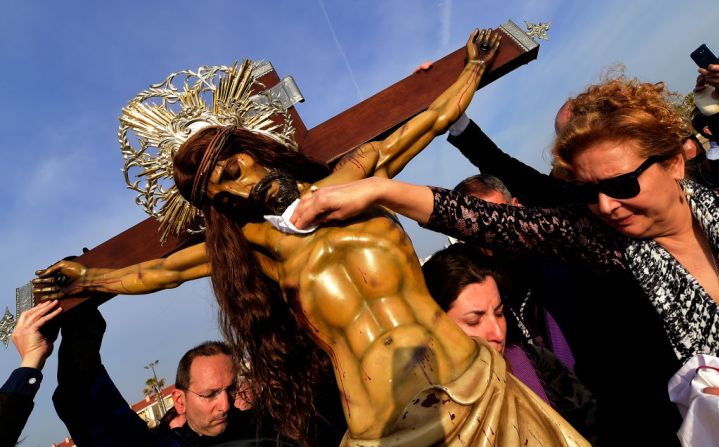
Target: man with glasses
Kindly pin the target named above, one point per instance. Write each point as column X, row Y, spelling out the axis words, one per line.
column 205, row 392
column 96, row 414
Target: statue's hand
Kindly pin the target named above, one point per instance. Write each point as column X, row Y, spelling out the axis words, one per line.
column 60, row 280
column 482, row 46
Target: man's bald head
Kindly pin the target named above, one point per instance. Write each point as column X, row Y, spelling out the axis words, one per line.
column 563, row 116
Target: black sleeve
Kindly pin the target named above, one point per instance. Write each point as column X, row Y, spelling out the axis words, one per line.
column 530, row 186
column 16, row 402
column 567, row 233
column 15, row 408
column 713, row 172
column 86, row 399
column 567, row 394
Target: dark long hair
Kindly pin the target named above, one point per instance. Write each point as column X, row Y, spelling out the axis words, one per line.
column 452, row 269
column 265, row 332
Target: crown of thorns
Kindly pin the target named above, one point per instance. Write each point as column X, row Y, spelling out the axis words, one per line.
column 160, row 119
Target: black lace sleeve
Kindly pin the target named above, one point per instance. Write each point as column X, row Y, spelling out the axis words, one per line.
column 567, row 233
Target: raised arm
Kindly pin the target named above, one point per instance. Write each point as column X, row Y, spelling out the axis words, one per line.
column 530, row 186
column 387, row 157
column 18, row 392
column 567, row 233
column 67, row 278
column 340, row 202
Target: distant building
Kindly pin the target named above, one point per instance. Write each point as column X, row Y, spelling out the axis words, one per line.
column 148, row 409
column 66, row 443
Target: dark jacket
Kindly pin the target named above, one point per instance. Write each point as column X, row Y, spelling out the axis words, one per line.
column 530, row 186
column 607, row 319
column 95, row 413
column 16, row 403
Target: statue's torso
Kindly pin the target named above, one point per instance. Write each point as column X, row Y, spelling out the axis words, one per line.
column 361, row 288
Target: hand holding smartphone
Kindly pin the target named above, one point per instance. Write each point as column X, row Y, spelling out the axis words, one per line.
column 705, row 92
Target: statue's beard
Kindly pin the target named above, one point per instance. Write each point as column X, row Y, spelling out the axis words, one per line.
column 260, row 203
column 275, row 204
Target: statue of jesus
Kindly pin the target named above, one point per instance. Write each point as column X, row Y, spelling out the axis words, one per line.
column 407, row 375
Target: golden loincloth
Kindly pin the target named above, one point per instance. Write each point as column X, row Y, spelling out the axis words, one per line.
column 485, row 406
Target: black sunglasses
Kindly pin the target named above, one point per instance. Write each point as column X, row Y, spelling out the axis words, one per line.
column 623, row 186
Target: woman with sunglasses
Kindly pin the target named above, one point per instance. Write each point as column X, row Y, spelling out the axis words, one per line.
column 640, row 214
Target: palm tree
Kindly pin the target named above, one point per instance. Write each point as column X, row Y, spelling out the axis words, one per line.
column 153, row 387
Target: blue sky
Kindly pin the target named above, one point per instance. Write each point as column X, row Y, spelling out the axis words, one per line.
column 68, row 68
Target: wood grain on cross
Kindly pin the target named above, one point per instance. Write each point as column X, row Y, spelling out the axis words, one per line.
column 371, row 119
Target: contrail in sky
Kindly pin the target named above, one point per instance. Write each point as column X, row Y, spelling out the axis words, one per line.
column 445, row 22
column 339, row 47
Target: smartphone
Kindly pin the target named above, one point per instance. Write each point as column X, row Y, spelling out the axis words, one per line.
column 703, row 56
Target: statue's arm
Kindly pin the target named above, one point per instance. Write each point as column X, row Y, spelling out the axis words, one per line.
column 387, row 157
column 67, row 278
column 407, row 141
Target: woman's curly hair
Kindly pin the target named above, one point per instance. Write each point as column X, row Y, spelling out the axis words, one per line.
column 621, row 110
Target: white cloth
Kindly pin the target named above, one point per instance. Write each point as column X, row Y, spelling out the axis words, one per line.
column 713, row 151
column 283, row 223
column 699, row 410
column 459, row 125
column 705, row 102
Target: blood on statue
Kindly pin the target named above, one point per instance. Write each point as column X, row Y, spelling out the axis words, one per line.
column 354, row 290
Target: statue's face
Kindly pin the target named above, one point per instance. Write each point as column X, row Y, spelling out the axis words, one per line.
column 235, row 175
column 267, row 191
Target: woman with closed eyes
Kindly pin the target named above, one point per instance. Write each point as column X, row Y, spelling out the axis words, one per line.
column 639, row 215
column 472, row 288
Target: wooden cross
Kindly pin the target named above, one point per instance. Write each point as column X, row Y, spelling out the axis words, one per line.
column 369, row 120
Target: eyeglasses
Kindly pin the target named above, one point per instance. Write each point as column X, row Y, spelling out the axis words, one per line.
column 623, row 186
column 231, row 391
